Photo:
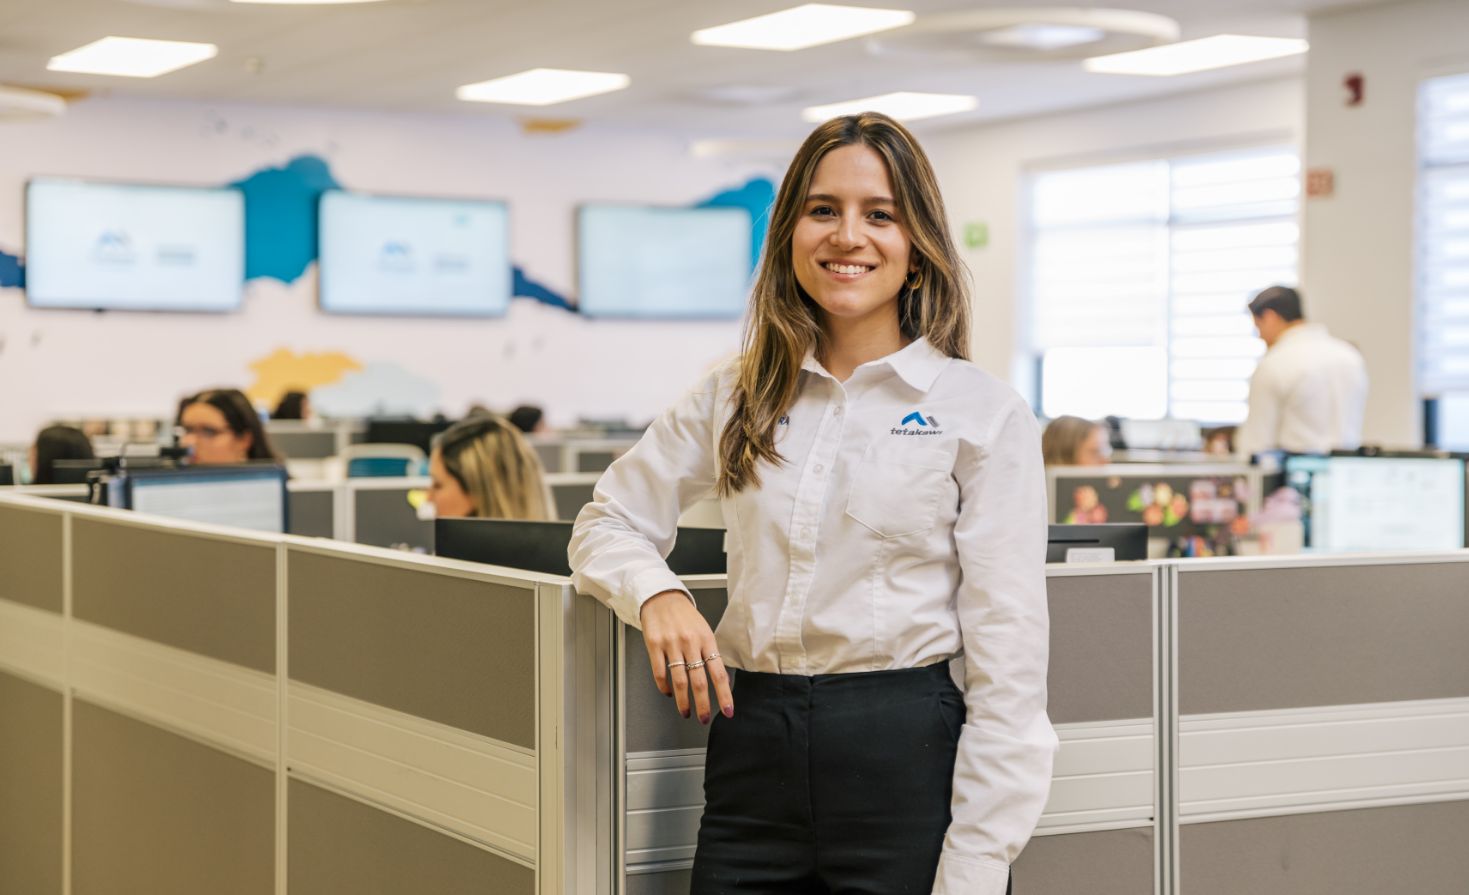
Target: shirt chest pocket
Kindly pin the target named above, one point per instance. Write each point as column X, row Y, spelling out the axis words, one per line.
column 896, row 488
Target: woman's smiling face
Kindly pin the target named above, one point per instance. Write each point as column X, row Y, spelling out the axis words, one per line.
column 850, row 251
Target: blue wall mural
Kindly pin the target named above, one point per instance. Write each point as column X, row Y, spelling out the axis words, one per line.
column 280, row 217
column 12, row 272
column 281, row 223
column 756, row 196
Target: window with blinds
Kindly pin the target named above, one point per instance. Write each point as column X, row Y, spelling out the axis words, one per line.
column 1158, row 260
column 1443, row 248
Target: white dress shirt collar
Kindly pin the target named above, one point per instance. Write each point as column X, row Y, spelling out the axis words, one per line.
column 919, row 364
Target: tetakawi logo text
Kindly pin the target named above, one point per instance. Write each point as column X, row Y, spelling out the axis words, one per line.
column 916, row 423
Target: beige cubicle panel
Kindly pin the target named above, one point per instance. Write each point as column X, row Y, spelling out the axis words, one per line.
column 1323, row 724
column 200, row 709
column 1100, row 824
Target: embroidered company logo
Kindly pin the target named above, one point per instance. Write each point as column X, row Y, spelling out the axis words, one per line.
column 915, row 424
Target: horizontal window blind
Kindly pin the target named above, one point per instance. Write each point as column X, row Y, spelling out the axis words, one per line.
column 1443, row 235
column 1163, row 254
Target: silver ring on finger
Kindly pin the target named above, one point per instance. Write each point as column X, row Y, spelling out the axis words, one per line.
column 677, row 664
column 711, row 657
column 699, row 664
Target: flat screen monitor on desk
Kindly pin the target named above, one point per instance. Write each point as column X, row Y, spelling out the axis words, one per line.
column 246, row 496
column 1380, row 503
column 414, row 432
column 541, row 546
column 1118, row 542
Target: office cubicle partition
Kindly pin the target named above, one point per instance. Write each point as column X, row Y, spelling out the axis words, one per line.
column 330, row 718
column 193, row 709
column 1323, row 724
column 1099, row 831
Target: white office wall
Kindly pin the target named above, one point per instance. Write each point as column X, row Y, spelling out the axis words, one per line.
column 982, row 173
column 60, row 363
column 1358, row 244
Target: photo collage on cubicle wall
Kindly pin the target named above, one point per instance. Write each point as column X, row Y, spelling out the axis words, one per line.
column 1196, row 515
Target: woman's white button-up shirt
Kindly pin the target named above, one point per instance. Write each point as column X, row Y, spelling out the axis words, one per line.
column 906, row 527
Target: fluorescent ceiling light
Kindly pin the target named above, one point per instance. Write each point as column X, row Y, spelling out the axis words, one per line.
column 543, row 87
column 1190, row 56
column 902, row 106
column 803, row 26
column 132, row 57
column 304, row 2
column 1044, row 37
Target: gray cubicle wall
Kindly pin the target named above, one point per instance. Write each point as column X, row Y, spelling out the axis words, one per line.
column 151, row 741
column 390, row 661
column 381, row 515
column 1323, row 707
column 571, row 492
column 312, row 509
column 1099, row 833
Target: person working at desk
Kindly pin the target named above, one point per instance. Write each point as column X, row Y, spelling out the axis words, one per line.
column 57, row 443
column 1073, row 441
column 483, row 466
column 1310, row 390
column 889, row 514
column 220, row 426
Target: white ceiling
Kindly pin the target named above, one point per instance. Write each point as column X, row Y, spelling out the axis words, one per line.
column 411, row 54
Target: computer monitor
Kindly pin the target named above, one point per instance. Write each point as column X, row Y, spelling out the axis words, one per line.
column 415, row 432
column 1097, row 543
column 1380, row 503
column 246, row 496
column 73, row 472
column 7, row 474
column 541, row 546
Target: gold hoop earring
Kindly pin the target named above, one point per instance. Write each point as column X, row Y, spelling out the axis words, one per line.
column 916, row 281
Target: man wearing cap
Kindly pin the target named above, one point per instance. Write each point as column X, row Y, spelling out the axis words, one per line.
column 1309, row 392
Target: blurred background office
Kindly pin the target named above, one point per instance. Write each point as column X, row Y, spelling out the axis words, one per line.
column 450, row 257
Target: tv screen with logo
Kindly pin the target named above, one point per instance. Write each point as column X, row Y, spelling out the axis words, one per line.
column 414, row 256
column 652, row 262
column 115, row 246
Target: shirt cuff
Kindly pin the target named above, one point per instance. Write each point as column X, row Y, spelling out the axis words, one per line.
column 966, row 876
column 645, row 586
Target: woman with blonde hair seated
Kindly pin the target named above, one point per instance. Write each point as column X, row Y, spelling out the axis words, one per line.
column 484, row 467
column 1073, row 441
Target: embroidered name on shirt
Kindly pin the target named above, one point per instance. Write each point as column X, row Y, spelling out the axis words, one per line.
column 915, row 424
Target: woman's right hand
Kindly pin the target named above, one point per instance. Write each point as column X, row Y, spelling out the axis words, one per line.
column 677, row 635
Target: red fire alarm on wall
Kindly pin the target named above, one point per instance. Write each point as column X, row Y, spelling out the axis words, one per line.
column 1355, row 86
column 1320, row 183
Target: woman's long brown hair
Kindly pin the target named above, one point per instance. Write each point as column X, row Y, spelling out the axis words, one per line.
column 784, row 322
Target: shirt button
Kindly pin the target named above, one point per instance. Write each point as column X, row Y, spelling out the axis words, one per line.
column 837, row 412
column 806, row 533
column 818, row 469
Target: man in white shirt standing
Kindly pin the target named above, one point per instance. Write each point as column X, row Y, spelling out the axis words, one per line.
column 1308, row 393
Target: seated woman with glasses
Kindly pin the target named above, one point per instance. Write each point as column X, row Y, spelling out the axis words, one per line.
column 220, row 426
column 484, row 467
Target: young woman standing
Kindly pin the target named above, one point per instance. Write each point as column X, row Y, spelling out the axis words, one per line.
column 887, row 512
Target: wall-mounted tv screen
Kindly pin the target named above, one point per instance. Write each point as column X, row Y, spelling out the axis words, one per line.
column 116, row 246
column 401, row 255
column 652, row 262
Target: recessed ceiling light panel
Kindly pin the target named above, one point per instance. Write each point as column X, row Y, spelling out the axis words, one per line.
column 1044, row 37
column 902, row 106
column 1189, row 56
column 543, row 87
column 803, row 26
column 132, row 57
